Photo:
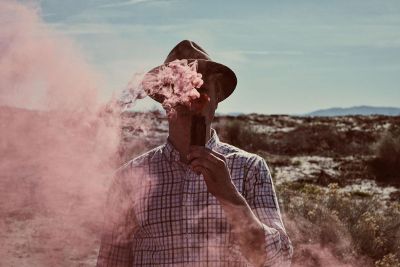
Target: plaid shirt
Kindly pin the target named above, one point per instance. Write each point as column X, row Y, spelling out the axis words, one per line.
column 161, row 214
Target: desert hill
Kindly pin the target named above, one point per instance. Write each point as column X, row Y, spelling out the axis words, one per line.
column 337, row 180
column 356, row 110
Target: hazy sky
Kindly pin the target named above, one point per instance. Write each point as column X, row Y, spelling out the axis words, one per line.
column 289, row 56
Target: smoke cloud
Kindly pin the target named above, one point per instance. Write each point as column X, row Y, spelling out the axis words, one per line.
column 58, row 149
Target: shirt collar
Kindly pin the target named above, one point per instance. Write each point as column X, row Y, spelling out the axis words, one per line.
column 172, row 153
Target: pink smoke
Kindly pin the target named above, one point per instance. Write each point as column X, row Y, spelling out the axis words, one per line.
column 56, row 159
column 176, row 83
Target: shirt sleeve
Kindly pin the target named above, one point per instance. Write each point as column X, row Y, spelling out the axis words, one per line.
column 261, row 197
column 119, row 226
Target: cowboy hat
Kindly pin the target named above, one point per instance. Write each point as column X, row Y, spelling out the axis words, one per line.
column 191, row 51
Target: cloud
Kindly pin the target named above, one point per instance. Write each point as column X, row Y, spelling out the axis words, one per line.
column 270, row 52
column 131, row 3
column 242, row 56
column 124, row 3
column 82, row 28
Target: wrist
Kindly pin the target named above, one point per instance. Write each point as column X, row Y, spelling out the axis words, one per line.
column 232, row 200
column 240, row 215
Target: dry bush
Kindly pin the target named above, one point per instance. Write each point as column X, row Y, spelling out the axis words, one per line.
column 311, row 139
column 388, row 260
column 306, row 139
column 240, row 134
column 325, row 139
column 386, row 164
column 353, row 227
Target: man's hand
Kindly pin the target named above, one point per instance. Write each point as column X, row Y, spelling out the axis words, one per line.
column 246, row 226
column 215, row 172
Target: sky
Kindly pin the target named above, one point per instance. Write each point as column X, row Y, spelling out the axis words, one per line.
column 290, row 57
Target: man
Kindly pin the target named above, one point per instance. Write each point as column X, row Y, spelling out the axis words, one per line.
column 182, row 205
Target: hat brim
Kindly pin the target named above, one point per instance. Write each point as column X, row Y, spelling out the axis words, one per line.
column 227, row 78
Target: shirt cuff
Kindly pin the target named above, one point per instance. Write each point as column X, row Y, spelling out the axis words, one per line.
column 272, row 248
column 272, row 245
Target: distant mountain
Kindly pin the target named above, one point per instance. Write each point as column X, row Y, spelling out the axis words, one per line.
column 234, row 114
column 358, row 110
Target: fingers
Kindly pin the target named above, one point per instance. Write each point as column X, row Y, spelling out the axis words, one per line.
column 206, row 154
column 210, row 182
column 203, row 170
column 204, row 166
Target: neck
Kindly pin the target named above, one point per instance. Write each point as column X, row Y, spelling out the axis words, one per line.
column 179, row 135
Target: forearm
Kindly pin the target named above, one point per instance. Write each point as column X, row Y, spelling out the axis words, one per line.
column 246, row 227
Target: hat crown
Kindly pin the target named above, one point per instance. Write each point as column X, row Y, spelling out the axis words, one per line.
column 187, row 50
column 191, row 51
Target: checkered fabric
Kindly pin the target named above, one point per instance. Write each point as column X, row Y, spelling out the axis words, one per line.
column 161, row 214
